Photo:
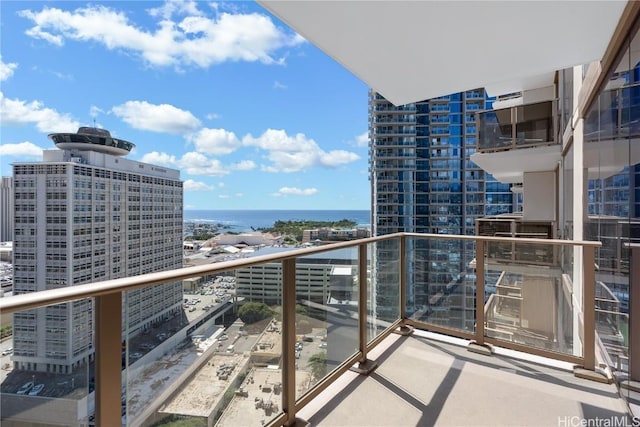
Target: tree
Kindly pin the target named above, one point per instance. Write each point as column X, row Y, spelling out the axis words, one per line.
column 318, row 365
column 253, row 312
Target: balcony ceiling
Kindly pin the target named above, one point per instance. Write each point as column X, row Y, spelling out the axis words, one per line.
column 509, row 166
column 414, row 50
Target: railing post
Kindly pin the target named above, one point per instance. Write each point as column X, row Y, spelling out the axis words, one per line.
column 364, row 366
column 363, row 311
column 403, row 277
column 108, row 339
column 589, row 314
column 480, row 291
column 289, row 340
column 634, row 313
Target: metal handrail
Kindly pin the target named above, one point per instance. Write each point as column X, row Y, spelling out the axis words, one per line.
column 53, row 296
column 109, row 299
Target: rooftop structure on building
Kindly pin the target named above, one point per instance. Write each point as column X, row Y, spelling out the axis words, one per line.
column 104, row 217
column 93, row 139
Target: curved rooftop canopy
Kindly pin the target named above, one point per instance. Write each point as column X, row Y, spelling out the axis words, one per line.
column 94, row 139
column 409, row 51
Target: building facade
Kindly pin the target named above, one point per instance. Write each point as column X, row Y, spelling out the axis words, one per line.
column 334, row 235
column 423, row 181
column 83, row 216
column 6, row 208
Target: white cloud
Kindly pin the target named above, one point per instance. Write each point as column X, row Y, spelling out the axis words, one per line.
column 195, row 40
column 171, row 7
column 6, row 69
column 95, row 111
column 194, row 163
column 17, row 112
column 198, row 164
column 21, row 149
column 215, row 141
column 62, row 76
column 278, row 85
column 362, row 140
column 297, row 191
column 213, row 116
column 191, row 185
column 295, row 153
column 223, row 196
column 243, row 165
column 156, row 158
column 156, row 117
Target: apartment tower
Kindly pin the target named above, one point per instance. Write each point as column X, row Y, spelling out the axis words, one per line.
column 422, row 181
column 87, row 214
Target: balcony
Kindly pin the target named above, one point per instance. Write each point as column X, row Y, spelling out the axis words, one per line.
column 385, row 319
column 517, row 127
column 516, row 140
column 511, row 225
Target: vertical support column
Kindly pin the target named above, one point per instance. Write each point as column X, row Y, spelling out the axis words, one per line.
column 364, row 366
column 405, row 329
column 589, row 314
column 289, row 340
column 480, row 291
column 362, row 301
column 634, row 313
column 108, row 321
column 403, row 277
column 579, row 208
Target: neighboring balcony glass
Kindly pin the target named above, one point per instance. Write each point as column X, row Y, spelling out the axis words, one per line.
column 530, row 304
column 516, row 127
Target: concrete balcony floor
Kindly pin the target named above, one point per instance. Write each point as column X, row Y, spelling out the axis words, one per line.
column 428, row 379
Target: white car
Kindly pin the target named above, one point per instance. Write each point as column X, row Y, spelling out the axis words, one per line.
column 36, row 390
column 7, row 351
column 26, row 387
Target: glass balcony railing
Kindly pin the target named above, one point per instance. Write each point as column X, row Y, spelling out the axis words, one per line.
column 265, row 335
column 517, row 127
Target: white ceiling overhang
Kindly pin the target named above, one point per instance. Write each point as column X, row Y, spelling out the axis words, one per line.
column 602, row 159
column 414, row 50
column 509, row 166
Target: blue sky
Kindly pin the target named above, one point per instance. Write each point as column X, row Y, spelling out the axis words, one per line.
column 252, row 115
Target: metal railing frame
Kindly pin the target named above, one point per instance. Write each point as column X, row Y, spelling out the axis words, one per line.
column 108, row 299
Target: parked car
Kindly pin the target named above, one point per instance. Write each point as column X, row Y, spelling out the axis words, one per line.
column 36, row 390
column 26, row 387
column 7, row 351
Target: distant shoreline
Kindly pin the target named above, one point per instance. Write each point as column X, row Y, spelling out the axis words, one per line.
column 241, row 220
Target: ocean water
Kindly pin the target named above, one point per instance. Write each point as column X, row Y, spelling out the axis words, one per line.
column 245, row 220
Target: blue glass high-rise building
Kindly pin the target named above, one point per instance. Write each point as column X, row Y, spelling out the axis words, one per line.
column 422, row 181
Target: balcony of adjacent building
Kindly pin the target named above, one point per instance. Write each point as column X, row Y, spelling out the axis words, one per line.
column 413, row 322
column 521, row 133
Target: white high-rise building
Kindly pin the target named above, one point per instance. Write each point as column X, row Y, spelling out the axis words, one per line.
column 85, row 214
column 6, row 208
